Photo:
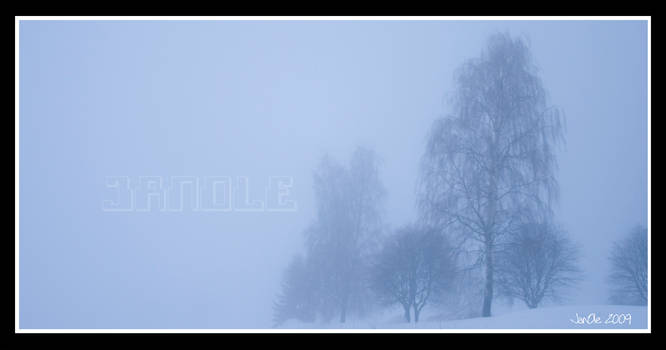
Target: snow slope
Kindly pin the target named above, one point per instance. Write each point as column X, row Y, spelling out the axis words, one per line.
column 559, row 317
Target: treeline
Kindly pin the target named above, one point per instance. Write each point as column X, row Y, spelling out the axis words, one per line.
column 485, row 227
column 332, row 278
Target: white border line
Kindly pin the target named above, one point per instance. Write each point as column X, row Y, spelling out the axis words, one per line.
column 16, row 176
column 314, row 18
column 333, row 18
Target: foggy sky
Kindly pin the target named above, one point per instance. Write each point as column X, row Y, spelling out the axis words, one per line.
column 269, row 98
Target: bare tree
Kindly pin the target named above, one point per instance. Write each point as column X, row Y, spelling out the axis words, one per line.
column 349, row 202
column 413, row 266
column 629, row 278
column 330, row 239
column 537, row 262
column 492, row 160
column 297, row 298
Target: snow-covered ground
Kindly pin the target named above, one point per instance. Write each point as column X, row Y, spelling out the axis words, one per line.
column 620, row 317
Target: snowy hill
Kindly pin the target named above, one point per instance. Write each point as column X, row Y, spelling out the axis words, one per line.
column 582, row 317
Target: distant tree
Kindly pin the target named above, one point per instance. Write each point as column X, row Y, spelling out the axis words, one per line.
column 344, row 234
column 537, row 263
column 463, row 298
column 629, row 264
column 297, row 298
column 492, row 161
column 413, row 266
column 347, row 228
column 330, row 239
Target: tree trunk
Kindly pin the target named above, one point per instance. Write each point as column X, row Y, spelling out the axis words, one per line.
column 343, row 313
column 343, row 306
column 407, row 314
column 488, row 291
column 489, row 238
column 416, row 314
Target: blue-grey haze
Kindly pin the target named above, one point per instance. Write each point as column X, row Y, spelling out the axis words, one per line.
column 263, row 98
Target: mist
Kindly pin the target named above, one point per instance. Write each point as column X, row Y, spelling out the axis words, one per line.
column 252, row 101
